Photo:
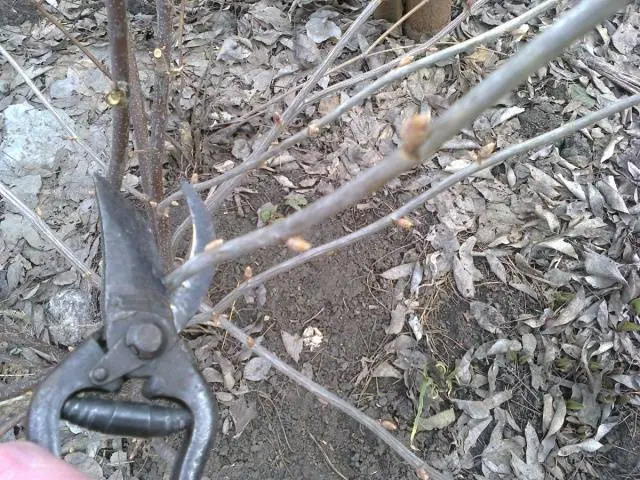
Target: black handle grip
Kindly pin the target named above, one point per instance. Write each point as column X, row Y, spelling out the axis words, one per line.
column 128, row 419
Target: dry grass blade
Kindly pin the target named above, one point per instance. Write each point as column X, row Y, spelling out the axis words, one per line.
column 49, row 235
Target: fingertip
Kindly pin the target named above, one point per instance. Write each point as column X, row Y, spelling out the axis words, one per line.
column 26, row 460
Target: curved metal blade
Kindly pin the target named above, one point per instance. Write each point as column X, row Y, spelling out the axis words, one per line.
column 133, row 273
column 186, row 299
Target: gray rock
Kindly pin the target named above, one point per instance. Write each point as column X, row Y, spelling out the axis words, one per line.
column 70, row 317
column 31, row 139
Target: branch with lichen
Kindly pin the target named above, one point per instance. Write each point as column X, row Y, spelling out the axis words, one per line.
column 421, row 143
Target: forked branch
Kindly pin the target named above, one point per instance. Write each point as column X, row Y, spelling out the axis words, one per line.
column 366, row 93
column 537, row 53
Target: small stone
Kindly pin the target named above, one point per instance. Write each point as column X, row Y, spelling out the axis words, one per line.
column 69, row 317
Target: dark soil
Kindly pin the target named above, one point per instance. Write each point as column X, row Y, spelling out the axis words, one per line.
column 347, row 303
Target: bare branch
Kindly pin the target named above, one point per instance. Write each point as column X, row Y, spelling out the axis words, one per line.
column 537, row 53
column 447, row 29
column 46, row 232
column 369, row 90
column 400, row 21
column 421, row 48
column 290, row 113
column 137, row 113
column 159, row 114
column 118, row 97
column 42, row 11
column 319, row 391
column 417, row 202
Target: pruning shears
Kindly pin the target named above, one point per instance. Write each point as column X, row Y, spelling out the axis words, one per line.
column 139, row 339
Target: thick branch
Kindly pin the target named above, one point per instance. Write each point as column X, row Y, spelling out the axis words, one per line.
column 118, row 97
column 160, row 226
column 159, row 114
column 289, row 114
column 367, row 92
column 537, row 53
column 388, row 220
column 47, row 233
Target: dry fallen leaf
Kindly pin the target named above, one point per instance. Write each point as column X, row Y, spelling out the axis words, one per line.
column 397, row 320
column 292, row 344
column 436, row 422
column 386, row 370
column 398, row 272
column 257, row 369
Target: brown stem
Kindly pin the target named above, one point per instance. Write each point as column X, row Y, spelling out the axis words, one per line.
column 118, row 97
column 159, row 114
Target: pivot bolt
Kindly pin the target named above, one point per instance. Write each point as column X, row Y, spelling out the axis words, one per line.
column 145, row 340
column 99, row 374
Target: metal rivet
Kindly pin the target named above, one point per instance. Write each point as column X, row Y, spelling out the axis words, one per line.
column 145, row 339
column 99, row 374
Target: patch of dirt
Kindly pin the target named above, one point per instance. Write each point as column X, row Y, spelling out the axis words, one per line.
column 342, row 295
column 338, row 295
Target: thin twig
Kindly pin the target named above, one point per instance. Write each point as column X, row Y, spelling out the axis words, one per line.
column 45, row 102
column 417, row 202
column 537, row 53
column 44, row 229
column 319, row 391
column 287, row 117
column 118, row 97
column 358, row 79
column 42, row 11
column 366, row 93
column 159, row 115
column 326, row 457
column 423, row 47
column 74, row 136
